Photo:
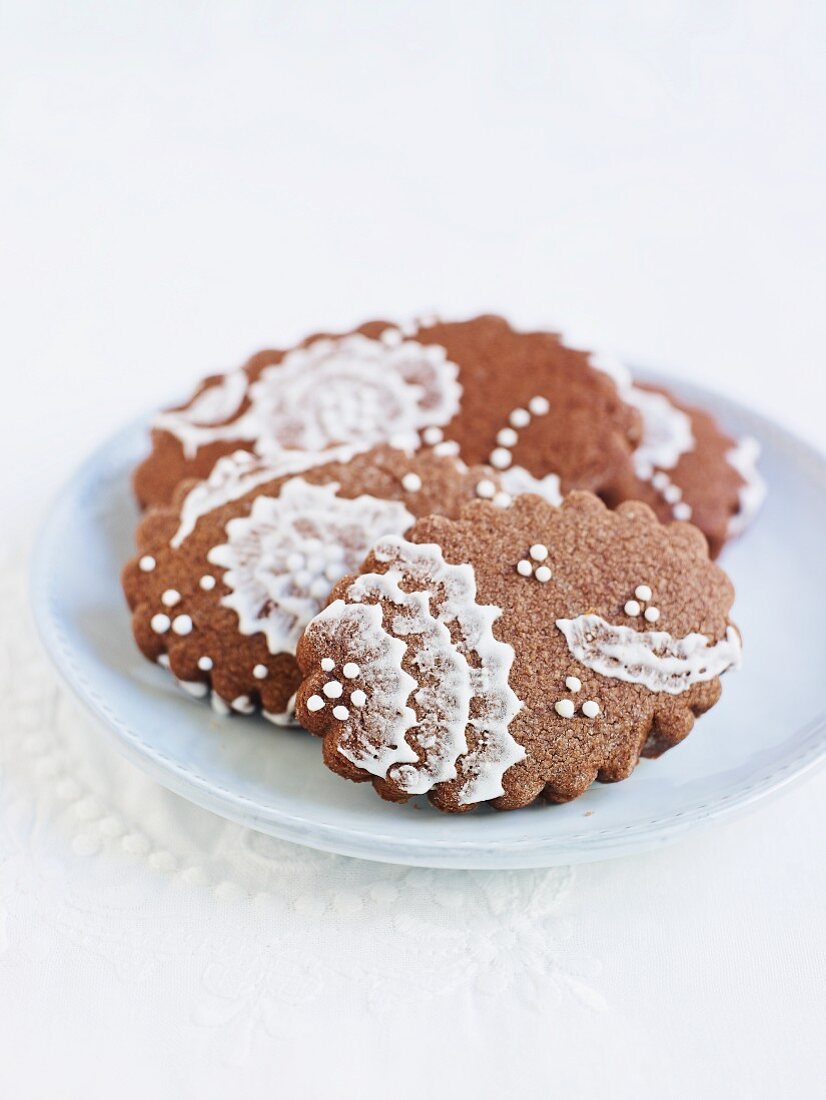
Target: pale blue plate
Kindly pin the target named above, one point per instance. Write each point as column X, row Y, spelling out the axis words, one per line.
column 768, row 729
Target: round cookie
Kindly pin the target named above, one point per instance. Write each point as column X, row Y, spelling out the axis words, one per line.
column 228, row 575
column 517, row 653
column 523, row 402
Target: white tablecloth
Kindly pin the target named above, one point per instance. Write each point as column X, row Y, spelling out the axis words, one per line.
column 180, row 186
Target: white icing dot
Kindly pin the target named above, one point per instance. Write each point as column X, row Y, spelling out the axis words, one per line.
column 673, row 493
column 351, row 670
column 207, row 582
column 543, row 574
column 660, row 481
column 147, row 563
column 507, row 437
column 341, row 712
column 160, row 623
column 449, row 447
column 328, row 664
column 573, row 683
column 632, row 608
column 652, row 614
column 590, row 709
column 682, row 511
column 524, row 568
column 391, row 337
column 433, row 435
column 182, row 625
column 485, row 489
column 642, row 592
column 520, row 418
column 294, row 561
column 539, row 405
column 314, row 703
column 163, row 660
column 539, row 552
column 411, row 482
column 170, row 597
column 332, row 689
column 243, row 704
column 500, row 458
column 260, row 672
column 564, row 708
column 502, row 500
column 358, row 698
column 204, row 664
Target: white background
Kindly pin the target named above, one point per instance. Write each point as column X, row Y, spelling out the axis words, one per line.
column 181, row 184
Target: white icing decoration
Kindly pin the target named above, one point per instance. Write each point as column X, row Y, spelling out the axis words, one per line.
column 351, row 670
column 520, row 418
column 643, row 592
column 486, row 489
column 243, row 704
column 358, row 698
column 438, row 605
column 328, row 664
column 147, row 563
column 652, row 614
column 744, row 458
column 433, row 435
column 267, row 594
column 314, row 703
column 260, row 672
column 524, row 568
column 205, row 664
column 667, row 433
column 564, row 708
column 214, row 405
column 411, row 482
column 539, row 405
column 518, row 480
column 235, row 475
column 160, row 623
column 502, row 500
column 207, row 582
column 652, row 658
column 218, row 704
column 196, row 688
column 539, row 551
column 347, row 390
column 543, row 574
column 182, row 625
column 170, row 597
column 341, row 713
column 500, row 458
column 573, row 683
column 590, row 708
column 632, row 608
column 333, row 689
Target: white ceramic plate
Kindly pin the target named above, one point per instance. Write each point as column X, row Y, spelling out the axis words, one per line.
column 768, row 729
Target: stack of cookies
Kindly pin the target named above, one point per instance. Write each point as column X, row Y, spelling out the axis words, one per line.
column 475, row 561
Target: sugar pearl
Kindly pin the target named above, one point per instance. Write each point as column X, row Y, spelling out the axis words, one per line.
column 328, row 664
column 543, row 574
column 342, row 713
column 564, row 708
column 182, row 625
column 590, row 709
column 573, row 683
column 449, row 447
column 507, row 437
column 673, row 493
column 539, row 405
column 351, row 670
column 502, row 500
column 682, row 511
column 207, row 582
column 160, row 623
column 358, row 698
column 314, row 703
column 170, row 597
column 411, row 482
column 333, row 689
column 147, row 563
column 642, row 592
column 524, row 568
column 660, row 481
column 485, row 489
column 260, row 672
column 539, row 552
column 500, row 458
column 204, row 664
column 632, row 608
column 652, row 614
column 391, row 337
column 433, row 435
column 520, row 418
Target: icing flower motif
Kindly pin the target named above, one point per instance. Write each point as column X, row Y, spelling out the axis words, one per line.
column 347, row 390
column 284, row 557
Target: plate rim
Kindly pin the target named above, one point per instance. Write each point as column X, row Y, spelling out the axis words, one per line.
column 376, row 845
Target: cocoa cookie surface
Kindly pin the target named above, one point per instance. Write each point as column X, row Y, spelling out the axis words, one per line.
column 517, row 653
column 227, row 575
column 685, row 466
column 523, row 402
